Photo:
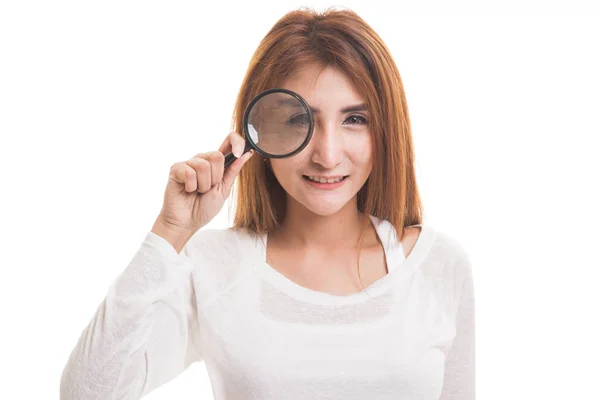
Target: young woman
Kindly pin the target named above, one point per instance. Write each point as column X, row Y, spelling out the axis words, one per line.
column 328, row 285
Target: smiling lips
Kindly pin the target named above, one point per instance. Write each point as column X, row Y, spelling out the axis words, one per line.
column 325, row 179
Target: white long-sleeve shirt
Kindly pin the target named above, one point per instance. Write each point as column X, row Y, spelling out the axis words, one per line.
column 410, row 335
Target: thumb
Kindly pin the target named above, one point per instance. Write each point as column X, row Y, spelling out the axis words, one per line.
column 234, row 169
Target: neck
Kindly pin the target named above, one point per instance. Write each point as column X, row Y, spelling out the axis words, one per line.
column 302, row 228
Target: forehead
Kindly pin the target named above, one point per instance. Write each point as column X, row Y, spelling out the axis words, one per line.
column 322, row 87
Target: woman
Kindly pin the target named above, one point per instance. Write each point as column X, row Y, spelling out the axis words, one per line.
column 328, row 285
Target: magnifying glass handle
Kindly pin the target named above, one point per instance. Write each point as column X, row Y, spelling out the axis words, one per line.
column 229, row 157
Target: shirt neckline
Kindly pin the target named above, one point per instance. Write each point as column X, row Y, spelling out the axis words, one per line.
column 399, row 267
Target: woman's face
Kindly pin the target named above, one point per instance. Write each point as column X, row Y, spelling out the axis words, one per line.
column 328, row 173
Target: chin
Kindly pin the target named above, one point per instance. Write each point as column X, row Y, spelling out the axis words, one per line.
column 324, row 212
column 325, row 208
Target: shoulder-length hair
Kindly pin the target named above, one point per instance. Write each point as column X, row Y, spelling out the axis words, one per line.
column 342, row 40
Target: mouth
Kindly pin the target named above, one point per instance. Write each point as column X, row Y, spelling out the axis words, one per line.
column 325, row 179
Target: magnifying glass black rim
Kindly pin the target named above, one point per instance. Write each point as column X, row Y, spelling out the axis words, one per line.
column 304, row 104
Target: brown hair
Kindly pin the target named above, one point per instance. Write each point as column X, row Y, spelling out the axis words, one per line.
column 343, row 40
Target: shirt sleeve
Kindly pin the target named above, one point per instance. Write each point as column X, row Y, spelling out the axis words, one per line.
column 142, row 334
column 459, row 377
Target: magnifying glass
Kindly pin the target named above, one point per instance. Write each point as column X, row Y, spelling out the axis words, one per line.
column 278, row 123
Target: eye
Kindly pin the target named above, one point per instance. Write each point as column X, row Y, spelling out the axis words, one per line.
column 356, row 120
column 300, row 119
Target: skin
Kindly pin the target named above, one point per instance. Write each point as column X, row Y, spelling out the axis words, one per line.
column 315, row 245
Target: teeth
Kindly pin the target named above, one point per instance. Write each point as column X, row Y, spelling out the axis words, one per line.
column 323, row 180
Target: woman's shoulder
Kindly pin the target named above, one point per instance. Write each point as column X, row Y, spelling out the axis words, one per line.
column 426, row 244
column 434, row 248
column 448, row 246
column 444, row 261
column 447, row 260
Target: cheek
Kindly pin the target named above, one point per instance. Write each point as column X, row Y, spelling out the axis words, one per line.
column 362, row 152
column 283, row 167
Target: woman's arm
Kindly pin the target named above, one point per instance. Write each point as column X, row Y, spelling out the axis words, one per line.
column 459, row 378
column 143, row 333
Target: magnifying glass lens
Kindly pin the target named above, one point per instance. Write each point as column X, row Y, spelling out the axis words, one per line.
column 279, row 124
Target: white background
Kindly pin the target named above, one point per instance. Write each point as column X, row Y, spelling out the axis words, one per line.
column 98, row 99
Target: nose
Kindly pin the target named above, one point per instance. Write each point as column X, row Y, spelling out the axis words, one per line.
column 327, row 145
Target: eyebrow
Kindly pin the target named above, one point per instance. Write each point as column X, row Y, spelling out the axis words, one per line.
column 354, row 108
